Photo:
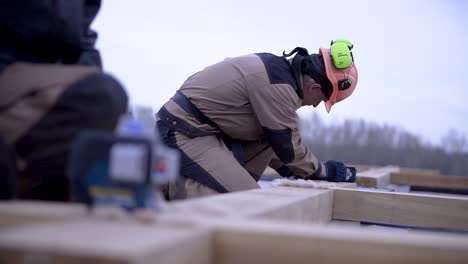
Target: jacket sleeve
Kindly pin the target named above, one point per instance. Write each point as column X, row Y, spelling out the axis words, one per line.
column 275, row 108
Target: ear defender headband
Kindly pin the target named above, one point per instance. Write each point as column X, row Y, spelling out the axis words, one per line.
column 342, row 57
column 297, row 66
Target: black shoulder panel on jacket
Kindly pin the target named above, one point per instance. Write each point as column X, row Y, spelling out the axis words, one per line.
column 280, row 141
column 278, row 68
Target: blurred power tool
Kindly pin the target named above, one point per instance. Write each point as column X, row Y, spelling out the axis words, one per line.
column 123, row 169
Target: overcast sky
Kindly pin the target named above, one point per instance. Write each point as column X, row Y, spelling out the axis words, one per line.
column 411, row 56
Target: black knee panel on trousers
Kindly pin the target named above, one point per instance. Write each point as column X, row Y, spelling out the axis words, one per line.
column 7, row 171
column 94, row 102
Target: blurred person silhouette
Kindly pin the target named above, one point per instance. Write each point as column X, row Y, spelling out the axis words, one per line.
column 234, row 118
column 51, row 87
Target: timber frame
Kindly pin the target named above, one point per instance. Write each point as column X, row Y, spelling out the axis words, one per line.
column 273, row 225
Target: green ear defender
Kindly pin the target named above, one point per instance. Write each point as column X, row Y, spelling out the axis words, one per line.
column 340, row 51
column 345, row 41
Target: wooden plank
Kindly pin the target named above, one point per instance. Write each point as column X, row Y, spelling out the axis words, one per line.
column 276, row 203
column 104, row 242
column 430, row 180
column 419, row 171
column 275, row 243
column 214, row 240
column 401, row 208
column 378, row 177
column 362, row 167
column 27, row 212
column 229, row 229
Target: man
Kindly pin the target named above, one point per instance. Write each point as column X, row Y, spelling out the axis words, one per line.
column 234, row 118
column 51, row 88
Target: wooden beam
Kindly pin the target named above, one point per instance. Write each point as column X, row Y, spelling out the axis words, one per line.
column 383, row 176
column 104, row 242
column 275, row 243
column 231, row 228
column 362, row 167
column 419, row 171
column 278, row 203
column 378, row 177
column 27, row 212
column 430, row 180
column 401, row 208
column 225, row 241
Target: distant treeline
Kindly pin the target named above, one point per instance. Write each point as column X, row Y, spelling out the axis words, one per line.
column 362, row 142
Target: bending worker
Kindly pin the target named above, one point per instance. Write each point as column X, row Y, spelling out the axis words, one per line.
column 234, row 118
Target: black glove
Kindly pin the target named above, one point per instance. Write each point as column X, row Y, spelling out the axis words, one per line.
column 336, row 172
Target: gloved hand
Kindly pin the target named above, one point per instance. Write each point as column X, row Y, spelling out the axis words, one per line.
column 336, row 171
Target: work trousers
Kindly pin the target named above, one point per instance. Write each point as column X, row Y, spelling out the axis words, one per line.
column 209, row 167
column 43, row 107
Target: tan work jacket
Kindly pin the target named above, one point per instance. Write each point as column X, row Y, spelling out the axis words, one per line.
column 252, row 98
